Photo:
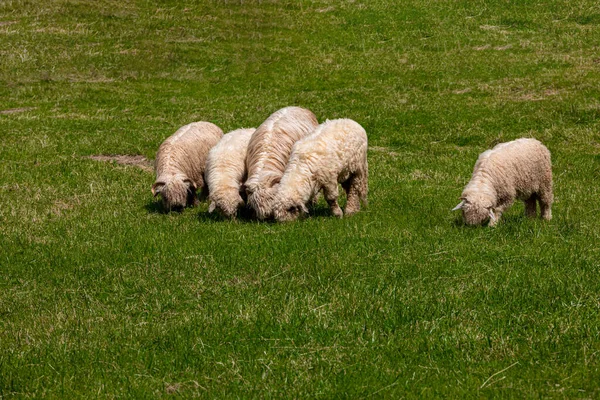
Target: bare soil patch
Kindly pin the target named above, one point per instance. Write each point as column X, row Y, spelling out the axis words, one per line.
column 124, row 159
column 383, row 150
column 17, row 110
column 462, row 91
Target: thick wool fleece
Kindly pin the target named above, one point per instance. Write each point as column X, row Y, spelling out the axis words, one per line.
column 336, row 152
column 226, row 172
column 180, row 163
column 268, row 153
column 520, row 169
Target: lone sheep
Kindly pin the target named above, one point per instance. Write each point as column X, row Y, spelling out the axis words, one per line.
column 520, row 169
column 336, row 152
column 180, row 163
column 268, row 153
column 226, row 172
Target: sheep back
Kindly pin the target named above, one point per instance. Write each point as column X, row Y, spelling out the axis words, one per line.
column 182, row 156
column 268, row 153
column 226, row 170
column 331, row 154
column 520, row 169
column 515, row 169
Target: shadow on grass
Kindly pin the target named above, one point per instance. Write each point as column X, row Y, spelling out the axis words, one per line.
column 156, row 207
column 319, row 211
column 510, row 220
column 244, row 215
column 248, row 216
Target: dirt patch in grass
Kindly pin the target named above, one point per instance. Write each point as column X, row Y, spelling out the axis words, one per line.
column 385, row 150
column 16, row 110
column 124, row 159
column 4, row 23
column 462, row 91
column 60, row 207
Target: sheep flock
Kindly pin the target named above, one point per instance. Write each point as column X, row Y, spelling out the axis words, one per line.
column 276, row 171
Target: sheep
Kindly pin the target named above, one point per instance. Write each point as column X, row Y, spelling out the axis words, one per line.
column 520, row 169
column 336, row 152
column 180, row 163
column 226, row 172
column 268, row 153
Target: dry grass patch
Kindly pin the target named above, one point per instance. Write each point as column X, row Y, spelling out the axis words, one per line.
column 519, row 90
column 384, row 150
column 124, row 159
column 17, row 110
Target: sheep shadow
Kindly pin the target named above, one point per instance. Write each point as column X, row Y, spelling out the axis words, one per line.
column 156, row 207
column 244, row 215
column 507, row 219
column 248, row 216
column 320, row 210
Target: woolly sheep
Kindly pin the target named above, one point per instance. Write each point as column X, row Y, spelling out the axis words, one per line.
column 180, row 163
column 336, row 152
column 226, row 172
column 268, row 153
column 520, row 169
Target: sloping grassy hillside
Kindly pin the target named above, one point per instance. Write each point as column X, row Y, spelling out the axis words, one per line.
column 101, row 295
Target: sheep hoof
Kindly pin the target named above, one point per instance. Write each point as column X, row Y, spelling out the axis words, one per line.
column 350, row 212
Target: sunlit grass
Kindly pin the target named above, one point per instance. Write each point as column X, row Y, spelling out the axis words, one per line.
column 102, row 295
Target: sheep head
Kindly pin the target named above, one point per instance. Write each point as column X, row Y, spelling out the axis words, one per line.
column 226, row 206
column 288, row 209
column 261, row 200
column 476, row 210
column 175, row 192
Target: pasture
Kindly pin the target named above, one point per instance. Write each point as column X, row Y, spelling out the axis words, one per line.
column 102, row 295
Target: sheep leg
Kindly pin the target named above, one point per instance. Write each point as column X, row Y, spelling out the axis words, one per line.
column 498, row 210
column 192, row 199
column 363, row 185
column 530, row 206
column 331, row 194
column 203, row 192
column 351, row 186
column 494, row 221
column 312, row 203
column 546, row 199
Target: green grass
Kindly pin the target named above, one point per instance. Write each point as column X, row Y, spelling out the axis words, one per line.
column 103, row 296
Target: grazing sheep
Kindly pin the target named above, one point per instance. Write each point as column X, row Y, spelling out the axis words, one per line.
column 268, row 153
column 520, row 169
column 226, row 172
column 335, row 152
column 180, row 163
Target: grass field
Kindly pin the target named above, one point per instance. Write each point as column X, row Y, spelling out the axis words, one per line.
column 101, row 295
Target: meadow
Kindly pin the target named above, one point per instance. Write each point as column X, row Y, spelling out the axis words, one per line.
column 103, row 295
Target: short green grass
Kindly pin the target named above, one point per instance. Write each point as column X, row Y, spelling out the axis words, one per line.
column 103, row 296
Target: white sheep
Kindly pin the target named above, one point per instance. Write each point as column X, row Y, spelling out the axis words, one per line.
column 336, row 152
column 180, row 163
column 268, row 153
column 226, row 172
column 520, row 169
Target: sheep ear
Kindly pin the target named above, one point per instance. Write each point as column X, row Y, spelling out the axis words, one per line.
column 190, row 183
column 241, row 201
column 157, row 187
column 492, row 216
column 459, row 206
column 212, row 207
